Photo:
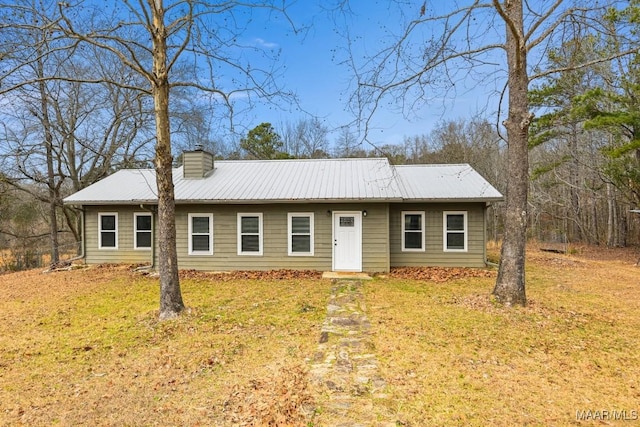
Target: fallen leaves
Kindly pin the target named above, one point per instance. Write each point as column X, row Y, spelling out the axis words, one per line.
column 230, row 276
column 438, row 274
column 281, row 399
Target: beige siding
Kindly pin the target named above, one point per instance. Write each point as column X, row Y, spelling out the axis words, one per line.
column 434, row 254
column 375, row 237
column 125, row 252
column 381, row 236
column 274, row 255
column 196, row 163
column 275, row 249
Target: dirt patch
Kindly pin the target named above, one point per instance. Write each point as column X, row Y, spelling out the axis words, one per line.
column 583, row 252
column 604, row 253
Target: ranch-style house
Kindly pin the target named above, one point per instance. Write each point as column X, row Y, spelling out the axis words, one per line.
column 320, row 214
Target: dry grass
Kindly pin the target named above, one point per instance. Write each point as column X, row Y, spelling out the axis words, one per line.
column 84, row 348
column 452, row 357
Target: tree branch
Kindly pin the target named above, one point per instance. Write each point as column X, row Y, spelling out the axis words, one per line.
column 586, row 64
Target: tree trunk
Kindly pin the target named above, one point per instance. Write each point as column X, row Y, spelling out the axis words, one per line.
column 624, row 226
column 611, row 216
column 510, row 284
column 576, row 233
column 171, row 303
column 595, row 218
column 51, row 179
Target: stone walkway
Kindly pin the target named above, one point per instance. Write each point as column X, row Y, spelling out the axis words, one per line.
column 344, row 365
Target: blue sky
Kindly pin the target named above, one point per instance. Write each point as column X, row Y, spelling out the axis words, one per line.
column 324, row 85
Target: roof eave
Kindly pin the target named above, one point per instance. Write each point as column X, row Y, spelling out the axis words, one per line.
column 109, row 202
column 456, row 200
column 232, row 201
column 284, row 201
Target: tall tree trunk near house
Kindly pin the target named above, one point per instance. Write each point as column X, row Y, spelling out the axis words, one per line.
column 171, row 303
column 510, row 284
column 51, row 179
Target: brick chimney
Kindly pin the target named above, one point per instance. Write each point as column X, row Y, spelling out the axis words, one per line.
column 197, row 163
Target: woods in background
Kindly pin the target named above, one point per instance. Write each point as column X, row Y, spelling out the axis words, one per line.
column 61, row 134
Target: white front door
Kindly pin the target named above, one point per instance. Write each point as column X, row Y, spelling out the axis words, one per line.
column 347, row 241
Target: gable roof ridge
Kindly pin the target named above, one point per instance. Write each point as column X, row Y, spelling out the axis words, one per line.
column 433, row 165
column 335, row 159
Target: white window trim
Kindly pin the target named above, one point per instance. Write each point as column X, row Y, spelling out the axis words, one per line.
column 423, row 231
column 100, row 231
column 190, row 226
column 290, row 234
column 445, row 231
column 260, row 233
column 135, row 231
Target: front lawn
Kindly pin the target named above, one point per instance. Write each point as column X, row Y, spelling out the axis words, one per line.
column 452, row 357
column 85, row 348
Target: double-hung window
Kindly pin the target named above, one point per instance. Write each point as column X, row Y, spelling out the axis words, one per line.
column 108, row 230
column 300, row 234
column 142, row 230
column 200, row 234
column 249, row 234
column 413, row 236
column 455, row 231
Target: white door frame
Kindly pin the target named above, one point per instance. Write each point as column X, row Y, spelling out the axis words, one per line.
column 354, row 249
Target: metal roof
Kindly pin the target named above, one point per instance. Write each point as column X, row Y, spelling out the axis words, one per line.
column 321, row 180
column 444, row 182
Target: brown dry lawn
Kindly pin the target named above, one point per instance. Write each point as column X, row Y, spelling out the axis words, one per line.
column 84, row 348
column 452, row 357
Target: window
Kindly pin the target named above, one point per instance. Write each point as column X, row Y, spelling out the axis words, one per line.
column 347, row 221
column 455, row 231
column 200, row 234
column 300, row 232
column 142, row 230
column 413, row 231
column 108, row 230
column 249, row 234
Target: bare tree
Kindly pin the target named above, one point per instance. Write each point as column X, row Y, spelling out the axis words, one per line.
column 153, row 38
column 59, row 133
column 347, row 143
column 35, row 42
column 314, row 138
column 470, row 42
column 306, row 138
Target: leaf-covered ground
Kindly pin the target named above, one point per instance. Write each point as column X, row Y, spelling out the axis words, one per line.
column 84, row 347
column 438, row 274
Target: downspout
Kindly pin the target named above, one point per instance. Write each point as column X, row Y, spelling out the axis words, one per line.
column 83, row 238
